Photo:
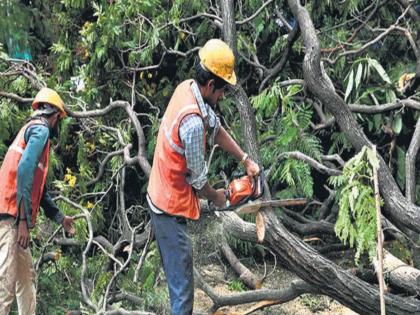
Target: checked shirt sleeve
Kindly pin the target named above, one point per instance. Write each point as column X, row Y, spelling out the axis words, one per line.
column 191, row 133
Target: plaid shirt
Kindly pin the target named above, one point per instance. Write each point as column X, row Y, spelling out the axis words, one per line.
column 191, row 133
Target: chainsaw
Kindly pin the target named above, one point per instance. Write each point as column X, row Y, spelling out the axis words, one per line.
column 242, row 196
column 244, row 189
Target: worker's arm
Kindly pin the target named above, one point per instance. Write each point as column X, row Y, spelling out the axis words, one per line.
column 228, row 144
column 51, row 210
column 36, row 137
column 53, row 213
column 218, row 196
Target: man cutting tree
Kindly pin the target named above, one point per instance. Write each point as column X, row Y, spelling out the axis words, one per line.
column 179, row 173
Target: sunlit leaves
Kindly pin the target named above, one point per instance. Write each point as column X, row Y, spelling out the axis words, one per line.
column 356, row 222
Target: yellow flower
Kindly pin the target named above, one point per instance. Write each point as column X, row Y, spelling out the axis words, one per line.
column 89, row 205
column 72, row 181
column 91, row 146
column 149, row 75
column 57, row 254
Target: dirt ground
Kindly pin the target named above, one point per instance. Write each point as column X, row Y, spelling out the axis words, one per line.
column 216, row 272
column 305, row 305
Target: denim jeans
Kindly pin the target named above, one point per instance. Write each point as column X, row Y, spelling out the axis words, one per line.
column 176, row 253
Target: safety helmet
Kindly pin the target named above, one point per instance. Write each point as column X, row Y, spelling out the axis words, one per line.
column 49, row 96
column 217, row 57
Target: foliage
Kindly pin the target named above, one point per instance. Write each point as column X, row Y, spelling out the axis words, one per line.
column 236, row 285
column 314, row 303
column 356, row 222
column 292, row 133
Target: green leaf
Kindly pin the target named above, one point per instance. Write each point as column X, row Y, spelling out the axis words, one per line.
column 359, row 75
column 381, row 71
column 397, row 124
column 349, row 84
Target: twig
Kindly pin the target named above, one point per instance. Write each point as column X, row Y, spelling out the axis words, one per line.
column 379, row 248
column 143, row 254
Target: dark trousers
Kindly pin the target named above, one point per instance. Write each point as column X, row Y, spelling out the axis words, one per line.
column 176, row 253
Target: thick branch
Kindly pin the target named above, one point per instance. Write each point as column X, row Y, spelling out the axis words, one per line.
column 400, row 275
column 370, row 109
column 244, row 273
column 296, row 289
column 16, row 97
column 410, row 164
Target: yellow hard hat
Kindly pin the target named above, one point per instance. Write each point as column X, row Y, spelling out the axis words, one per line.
column 217, row 57
column 49, row 96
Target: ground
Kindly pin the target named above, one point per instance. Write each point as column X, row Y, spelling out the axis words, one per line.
column 304, row 305
column 216, row 272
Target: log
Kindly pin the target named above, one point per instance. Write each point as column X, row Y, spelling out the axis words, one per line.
column 400, row 275
column 245, row 275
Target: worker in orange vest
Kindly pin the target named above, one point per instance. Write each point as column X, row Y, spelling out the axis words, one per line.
column 179, row 173
column 23, row 174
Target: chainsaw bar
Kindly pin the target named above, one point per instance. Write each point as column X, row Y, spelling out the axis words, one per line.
column 254, row 206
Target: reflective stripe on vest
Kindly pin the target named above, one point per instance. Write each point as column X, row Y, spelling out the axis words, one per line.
column 20, row 150
column 168, row 132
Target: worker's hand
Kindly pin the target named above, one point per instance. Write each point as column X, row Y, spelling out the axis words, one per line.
column 68, row 225
column 252, row 168
column 23, row 234
column 220, row 200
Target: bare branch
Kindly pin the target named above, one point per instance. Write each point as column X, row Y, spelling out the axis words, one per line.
column 370, row 43
column 244, row 273
column 300, row 156
column 410, row 164
column 16, row 97
column 375, row 109
column 255, row 14
column 296, row 289
column 141, row 153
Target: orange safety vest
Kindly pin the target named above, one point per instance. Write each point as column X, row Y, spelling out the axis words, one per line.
column 168, row 188
column 8, row 175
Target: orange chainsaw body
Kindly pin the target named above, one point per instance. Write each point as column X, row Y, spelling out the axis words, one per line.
column 243, row 189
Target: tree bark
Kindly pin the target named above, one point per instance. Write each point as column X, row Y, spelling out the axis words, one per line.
column 400, row 275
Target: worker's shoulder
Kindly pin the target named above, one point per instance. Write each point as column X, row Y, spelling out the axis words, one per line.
column 192, row 121
column 38, row 130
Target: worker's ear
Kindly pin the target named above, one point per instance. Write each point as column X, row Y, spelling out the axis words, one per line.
column 211, row 85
